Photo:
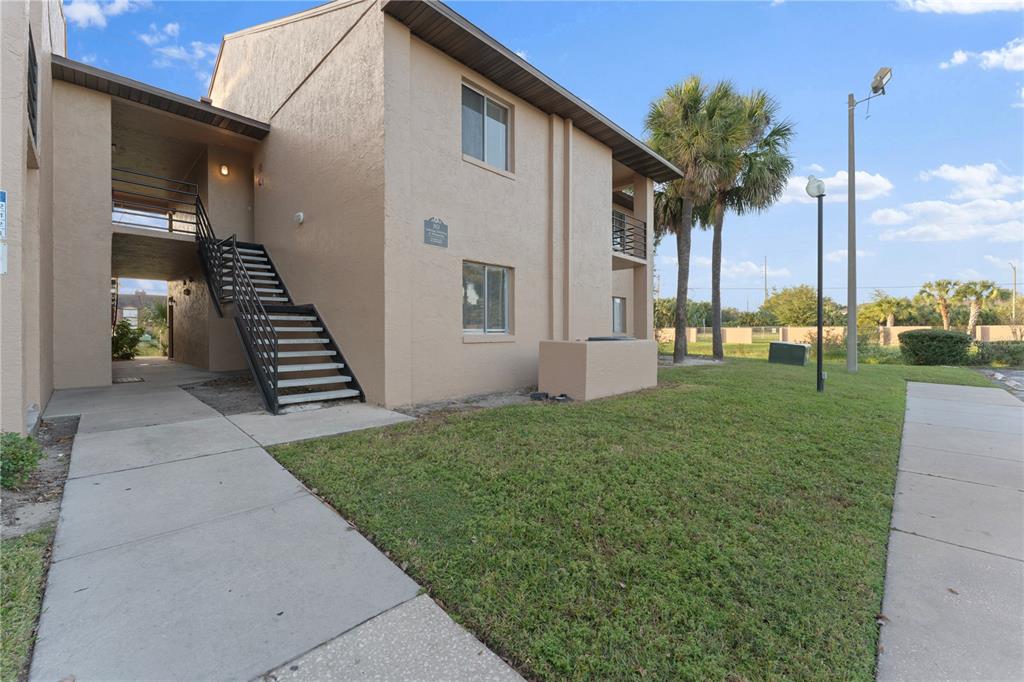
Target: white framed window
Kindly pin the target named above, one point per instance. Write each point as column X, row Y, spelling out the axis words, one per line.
column 618, row 315
column 485, row 298
column 485, row 128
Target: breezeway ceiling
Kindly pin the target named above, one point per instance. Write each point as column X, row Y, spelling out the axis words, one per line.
column 137, row 146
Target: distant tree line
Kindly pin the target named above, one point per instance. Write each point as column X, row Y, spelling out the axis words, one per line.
column 949, row 304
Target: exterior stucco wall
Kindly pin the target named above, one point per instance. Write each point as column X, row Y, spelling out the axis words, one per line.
column 229, row 199
column 26, row 174
column 493, row 217
column 201, row 337
column 81, row 237
column 325, row 158
column 548, row 218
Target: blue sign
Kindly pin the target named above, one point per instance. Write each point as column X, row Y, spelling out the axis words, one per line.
column 435, row 232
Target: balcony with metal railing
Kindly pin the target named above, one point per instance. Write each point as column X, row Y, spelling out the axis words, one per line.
column 152, row 202
column 629, row 236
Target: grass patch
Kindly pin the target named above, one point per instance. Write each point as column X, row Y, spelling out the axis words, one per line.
column 730, row 524
column 23, row 571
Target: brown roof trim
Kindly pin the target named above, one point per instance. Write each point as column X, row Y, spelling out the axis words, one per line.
column 442, row 27
column 87, row 76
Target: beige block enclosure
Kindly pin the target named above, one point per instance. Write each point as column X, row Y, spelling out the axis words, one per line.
column 585, row 370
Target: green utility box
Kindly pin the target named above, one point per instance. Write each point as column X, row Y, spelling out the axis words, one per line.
column 788, row 353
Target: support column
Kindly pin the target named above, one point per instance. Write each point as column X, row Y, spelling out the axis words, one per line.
column 643, row 275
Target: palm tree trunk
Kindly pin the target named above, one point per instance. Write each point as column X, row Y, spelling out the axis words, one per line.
column 972, row 318
column 890, row 320
column 683, row 233
column 944, row 312
column 717, row 349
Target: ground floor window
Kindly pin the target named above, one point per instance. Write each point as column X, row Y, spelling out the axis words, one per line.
column 618, row 315
column 485, row 298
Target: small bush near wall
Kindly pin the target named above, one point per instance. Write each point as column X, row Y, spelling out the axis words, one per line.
column 124, row 341
column 19, row 455
column 934, row 347
column 1003, row 353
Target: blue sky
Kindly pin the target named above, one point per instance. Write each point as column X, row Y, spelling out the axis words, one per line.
column 941, row 193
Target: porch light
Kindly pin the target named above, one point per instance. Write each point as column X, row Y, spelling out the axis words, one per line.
column 224, row 170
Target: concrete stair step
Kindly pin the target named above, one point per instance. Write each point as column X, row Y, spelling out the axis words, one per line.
column 280, row 317
column 265, row 290
column 311, row 367
column 303, row 353
column 322, row 395
column 296, row 342
column 314, row 381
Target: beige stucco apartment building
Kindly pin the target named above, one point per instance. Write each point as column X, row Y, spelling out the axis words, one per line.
column 419, row 214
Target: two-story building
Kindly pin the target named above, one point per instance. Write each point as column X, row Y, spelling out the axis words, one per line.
column 419, row 214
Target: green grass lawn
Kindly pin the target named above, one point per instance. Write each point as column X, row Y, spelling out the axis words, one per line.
column 22, row 569
column 730, row 524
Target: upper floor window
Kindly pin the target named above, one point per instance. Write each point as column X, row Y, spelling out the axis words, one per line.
column 33, row 88
column 484, row 128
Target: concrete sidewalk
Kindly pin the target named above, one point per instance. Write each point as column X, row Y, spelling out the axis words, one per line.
column 954, row 586
column 184, row 551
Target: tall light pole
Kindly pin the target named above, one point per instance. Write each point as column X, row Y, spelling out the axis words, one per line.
column 878, row 84
column 816, row 188
column 1013, row 296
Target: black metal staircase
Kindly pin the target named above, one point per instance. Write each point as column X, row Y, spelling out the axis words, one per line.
column 291, row 353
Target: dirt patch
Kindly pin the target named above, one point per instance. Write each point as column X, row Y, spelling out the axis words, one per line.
column 37, row 503
column 228, row 395
column 476, row 402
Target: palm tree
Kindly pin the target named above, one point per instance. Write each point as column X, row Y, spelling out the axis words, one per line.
column 940, row 295
column 978, row 295
column 684, row 126
column 752, row 171
column 889, row 308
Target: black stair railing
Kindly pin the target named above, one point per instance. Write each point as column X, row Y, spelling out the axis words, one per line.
column 220, row 259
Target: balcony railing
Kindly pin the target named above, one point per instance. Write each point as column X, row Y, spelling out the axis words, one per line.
column 152, row 202
column 629, row 235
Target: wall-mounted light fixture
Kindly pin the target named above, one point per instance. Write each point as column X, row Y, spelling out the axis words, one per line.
column 224, row 170
column 300, row 218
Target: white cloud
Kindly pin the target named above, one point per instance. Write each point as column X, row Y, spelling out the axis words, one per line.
column 959, row 57
column 962, row 6
column 839, row 256
column 889, row 216
column 869, row 186
column 1009, row 57
column 522, row 54
column 996, row 220
column 1003, row 262
column 158, row 35
column 815, row 167
column 88, row 58
column 86, row 13
column 735, row 269
column 983, row 181
column 198, row 56
column 969, row 273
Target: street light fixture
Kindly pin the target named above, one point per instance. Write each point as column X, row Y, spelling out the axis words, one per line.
column 878, row 84
column 816, row 189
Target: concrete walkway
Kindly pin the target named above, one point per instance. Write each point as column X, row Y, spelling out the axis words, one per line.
column 954, row 586
column 184, row 551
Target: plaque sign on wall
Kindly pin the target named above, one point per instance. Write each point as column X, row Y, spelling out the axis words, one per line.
column 435, row 232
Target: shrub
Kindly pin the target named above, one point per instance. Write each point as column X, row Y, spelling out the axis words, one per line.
column 1005, row 353
column 124, row 341
column 934, row 347
column 19, row 455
